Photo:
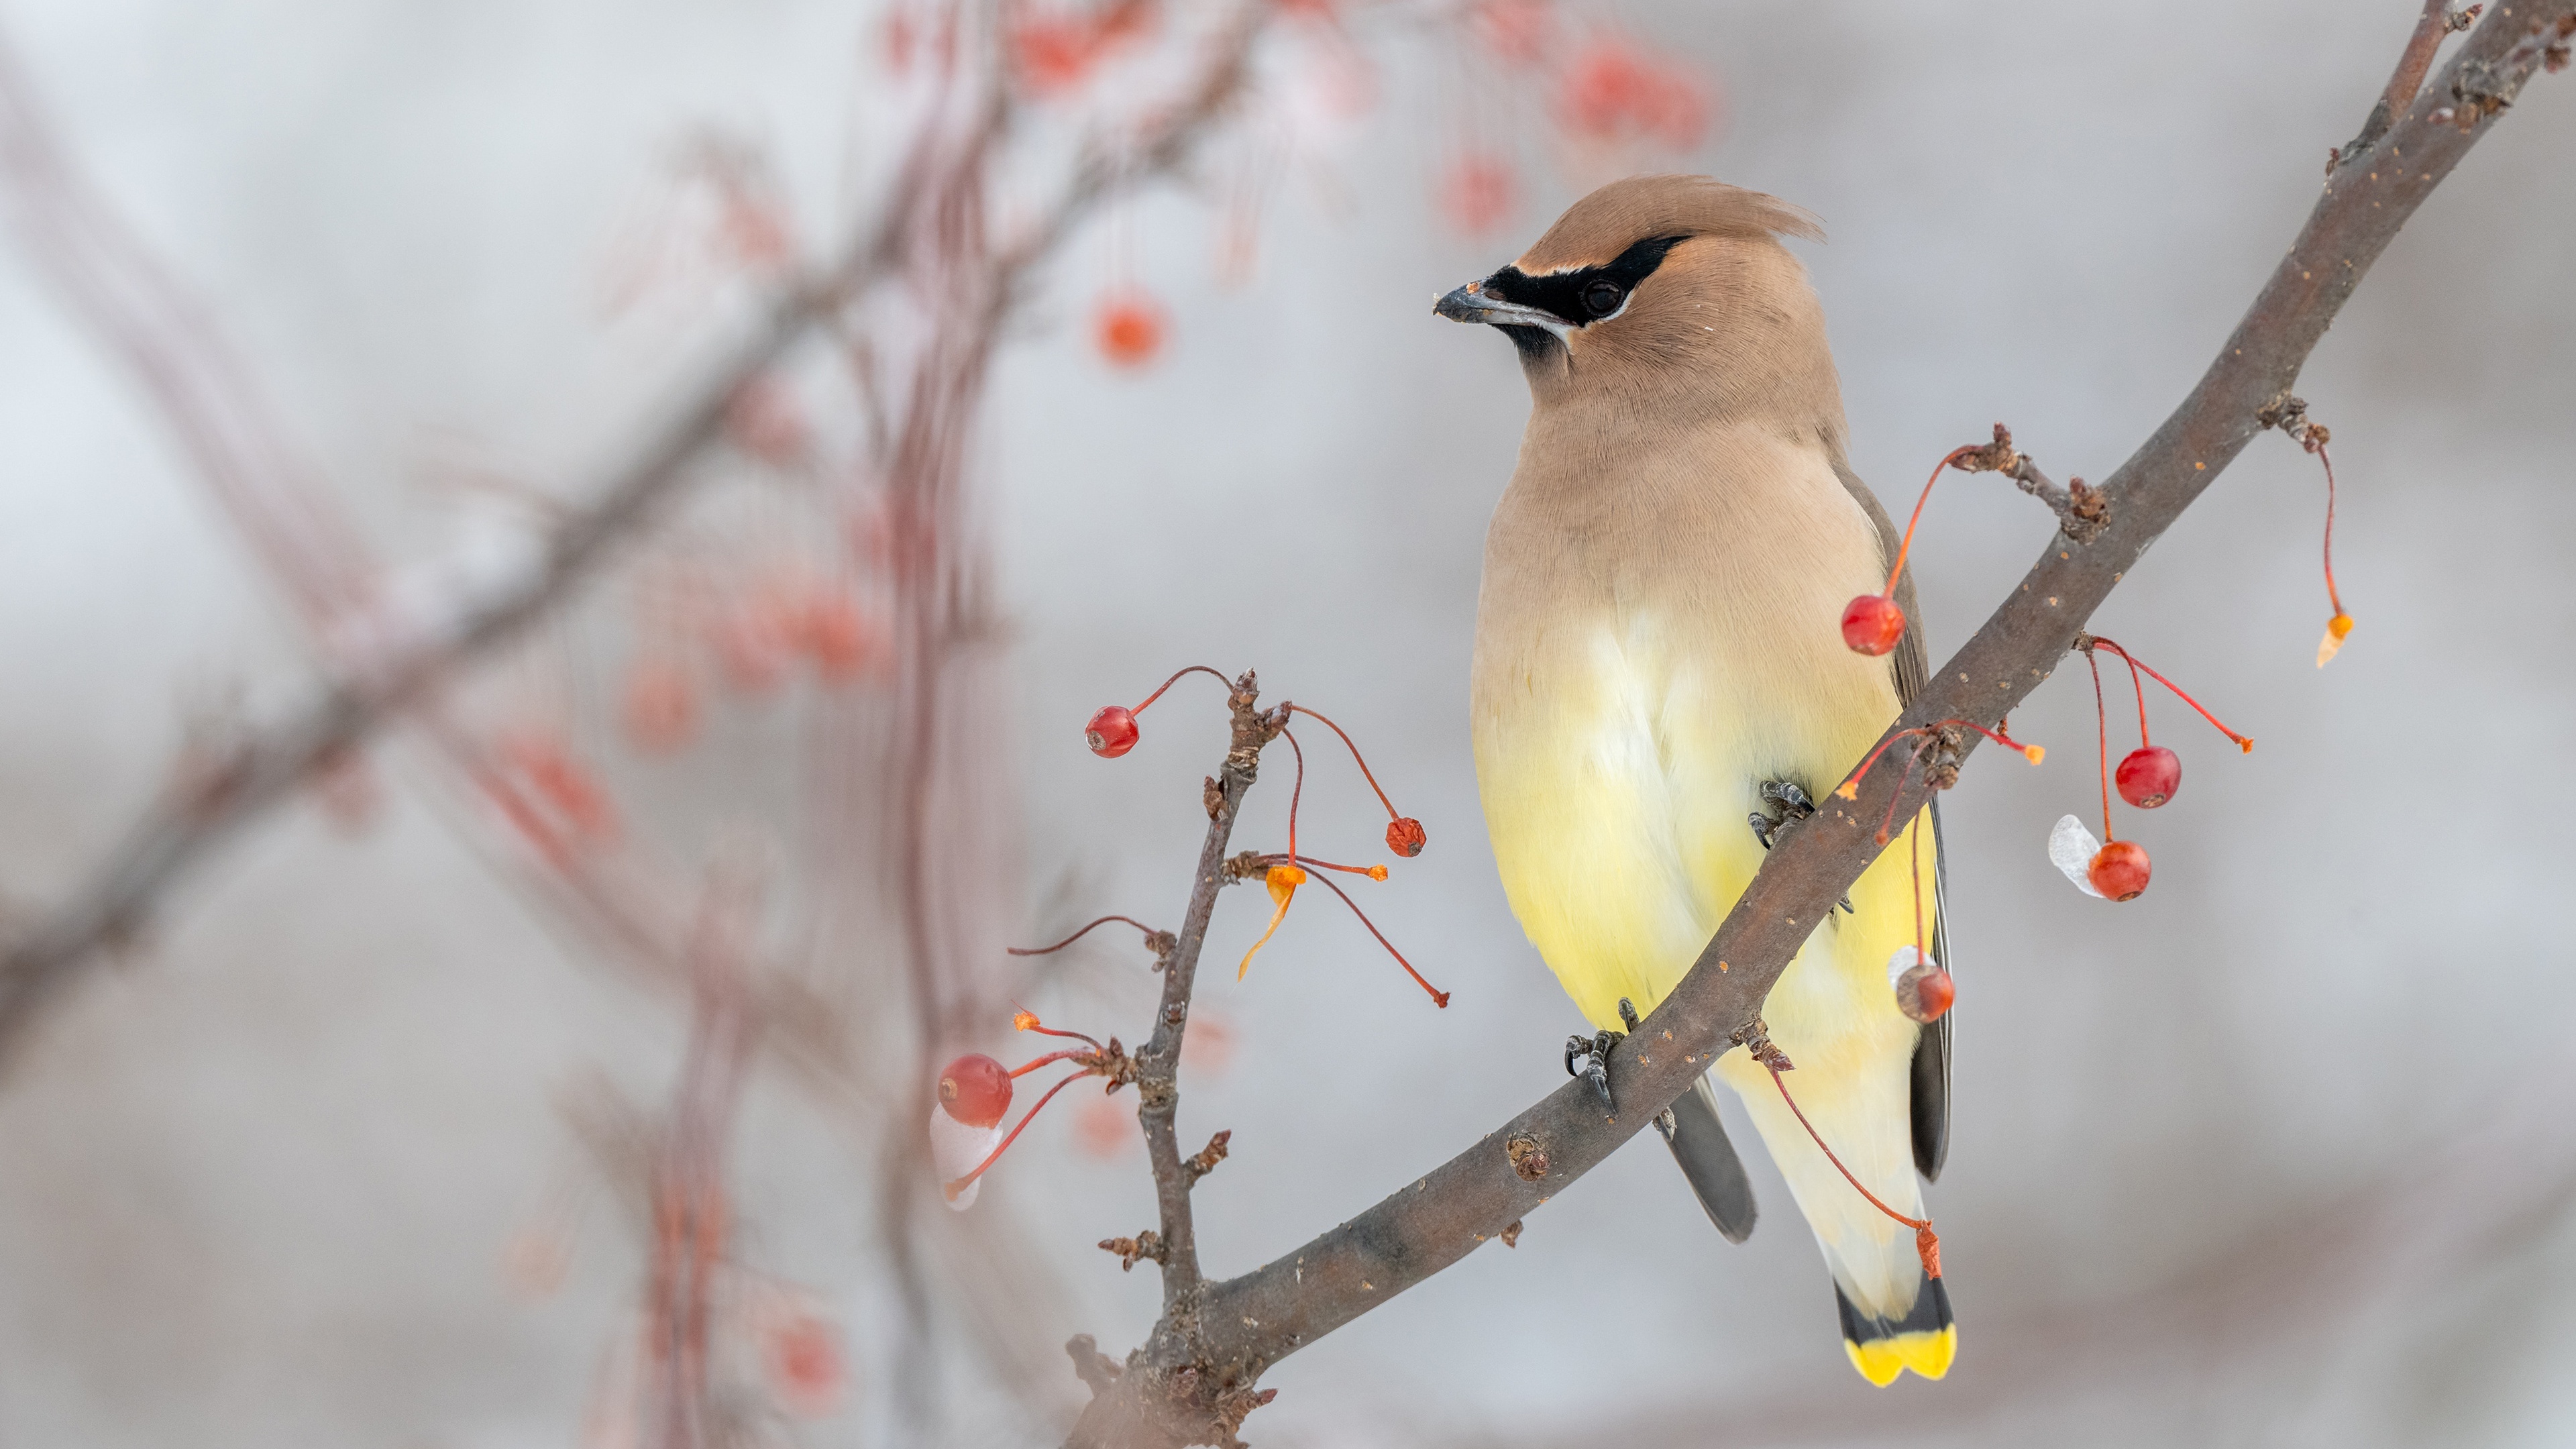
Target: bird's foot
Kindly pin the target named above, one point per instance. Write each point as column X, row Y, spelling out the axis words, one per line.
column 1588, row 1057
column 1785, row 807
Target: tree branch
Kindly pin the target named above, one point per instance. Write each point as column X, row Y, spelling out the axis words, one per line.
column 1252, row 1322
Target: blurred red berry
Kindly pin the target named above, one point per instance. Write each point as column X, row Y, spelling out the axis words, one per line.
column 1128, row 328
column 975, row 1090
column 805, row 1364
column 2149, row 776
column 1104, row 1126
column 1112, row 732
column 1053, row 54
column 1872, row 624
column 2120, row 870
column 1613, row 90
column 1517, row 31
column 660, row 711
column 841, row 638
column 1477, row 194
column 1404, row 836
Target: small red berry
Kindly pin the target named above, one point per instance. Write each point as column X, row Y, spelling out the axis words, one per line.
column 1404, row 836
column 1112, row 732
column 1872, row 624
column 2120, row 870
column 2149, row 776
column 975, row 1090
column 1925, row 992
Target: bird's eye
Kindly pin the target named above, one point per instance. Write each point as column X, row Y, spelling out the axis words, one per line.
column 1603, row 297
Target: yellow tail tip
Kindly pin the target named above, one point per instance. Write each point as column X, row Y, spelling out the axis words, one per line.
column 1881, row 1359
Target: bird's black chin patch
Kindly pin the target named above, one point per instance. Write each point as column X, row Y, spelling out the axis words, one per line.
column 1532, row 343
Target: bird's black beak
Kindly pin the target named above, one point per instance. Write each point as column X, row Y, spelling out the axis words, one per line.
column 1472, row 303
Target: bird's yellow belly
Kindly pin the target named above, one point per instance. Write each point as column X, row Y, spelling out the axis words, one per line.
column 1616, row 794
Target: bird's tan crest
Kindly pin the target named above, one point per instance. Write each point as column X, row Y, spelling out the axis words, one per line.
column 1595, row 230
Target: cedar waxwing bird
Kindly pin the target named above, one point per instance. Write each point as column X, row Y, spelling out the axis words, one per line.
column 1659, row 661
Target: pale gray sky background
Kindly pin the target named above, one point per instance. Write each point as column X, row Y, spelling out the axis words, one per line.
column 256, row 1182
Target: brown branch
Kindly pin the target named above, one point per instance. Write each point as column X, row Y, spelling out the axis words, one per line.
column 2413, row 64
column 1252, row 1322
column 2081, row 508
column 202, row 809
column 1175, row 1347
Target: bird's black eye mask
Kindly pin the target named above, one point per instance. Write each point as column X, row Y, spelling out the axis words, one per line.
column 1586, row 294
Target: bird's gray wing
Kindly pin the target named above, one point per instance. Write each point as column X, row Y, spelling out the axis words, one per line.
column 1716, row 1174
column 1931, row 1069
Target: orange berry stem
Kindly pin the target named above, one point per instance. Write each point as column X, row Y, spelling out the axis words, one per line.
column 951, row 1189
column 1295, row 790
column 1439, row 997
column 1907, row 545
column 1176, row 678
column 1076, row 936
column 1067, row 1055
column 1927, row 1246
column 2242, row 743
column 1914, row 844
column 1888, row 822
column 2102, row 725
column 1373, row 872
column 2331, row 596
column 1028, row 1021
column 1356, row 758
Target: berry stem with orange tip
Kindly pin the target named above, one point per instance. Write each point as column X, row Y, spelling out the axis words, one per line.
column 2087, row 643
column 1927, row 1245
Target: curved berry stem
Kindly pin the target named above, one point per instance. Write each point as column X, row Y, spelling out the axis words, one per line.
column 2102, row 725
column 1356, row 758
column 1907, row 546
column 1078, row 935
column 951, row 1189
column 1439, row 997
column 1068, row 1054
column 2243, row 743
column 1925, row 1243
column 1176, row 678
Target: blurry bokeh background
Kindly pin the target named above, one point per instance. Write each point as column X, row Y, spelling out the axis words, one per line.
column 2277, row 1154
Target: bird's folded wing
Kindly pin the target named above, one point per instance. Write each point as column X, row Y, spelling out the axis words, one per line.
column 1708, row 1159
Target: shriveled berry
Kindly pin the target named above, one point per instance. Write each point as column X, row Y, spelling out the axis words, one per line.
column 2149, row 776
column 1404, row 836
column 1872, row 624
column 975, row 1090
column 2120, row 870
column 1112, row 732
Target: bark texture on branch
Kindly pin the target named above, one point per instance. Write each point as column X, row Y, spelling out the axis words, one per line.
column 1251, row 1322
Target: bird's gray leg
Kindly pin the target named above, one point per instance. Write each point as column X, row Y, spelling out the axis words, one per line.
column 1785, row 806
column 1588, row 1057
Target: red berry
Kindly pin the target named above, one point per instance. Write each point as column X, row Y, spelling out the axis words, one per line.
column 1112, row 732
column 2149, row 776
column 975, row 1090
column 1872, row 624
column 1404, row 836
column 2120, row 870
column 1925, row 992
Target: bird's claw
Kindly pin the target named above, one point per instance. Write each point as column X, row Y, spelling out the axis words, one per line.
column 1588, row 1057
column 1785, row 805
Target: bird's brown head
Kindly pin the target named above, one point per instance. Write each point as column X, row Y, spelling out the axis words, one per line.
column 1664, row 291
